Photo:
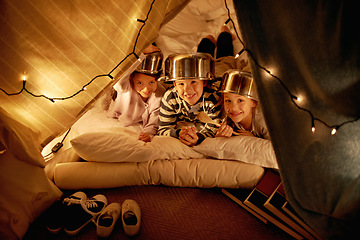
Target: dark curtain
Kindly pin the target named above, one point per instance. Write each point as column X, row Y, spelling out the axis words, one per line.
column 305, row 61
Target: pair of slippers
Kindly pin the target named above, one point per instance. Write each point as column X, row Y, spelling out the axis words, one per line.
column 130, row 216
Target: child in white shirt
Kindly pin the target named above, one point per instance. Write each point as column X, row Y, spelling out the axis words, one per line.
column 138, row 94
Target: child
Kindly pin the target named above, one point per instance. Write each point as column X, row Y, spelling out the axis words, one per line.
column 240, row 104
column 189, row 96
column 137, row 95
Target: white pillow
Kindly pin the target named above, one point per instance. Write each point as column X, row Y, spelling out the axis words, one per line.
column 246, row 149
column 122, row 145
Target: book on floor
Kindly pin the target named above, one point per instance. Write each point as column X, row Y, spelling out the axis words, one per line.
column 267, row 201
column 239, row 195
column 275, row 204
column 294, row 215
column 260, row 194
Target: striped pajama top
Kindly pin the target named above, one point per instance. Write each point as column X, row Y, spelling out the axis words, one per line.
column 176, row 113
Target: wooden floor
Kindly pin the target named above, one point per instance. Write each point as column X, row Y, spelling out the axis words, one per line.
column 175, row 213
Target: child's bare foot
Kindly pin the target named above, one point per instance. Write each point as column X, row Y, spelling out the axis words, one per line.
column 150, row 49
column 211, row 38
column 224, row 28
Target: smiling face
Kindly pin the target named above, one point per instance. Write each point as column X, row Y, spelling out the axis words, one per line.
column 190, row 90
column 239, row 108
column 144, row 85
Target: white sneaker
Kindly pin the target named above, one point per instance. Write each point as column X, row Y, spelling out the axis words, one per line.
column 130, row 217
column 105, row 222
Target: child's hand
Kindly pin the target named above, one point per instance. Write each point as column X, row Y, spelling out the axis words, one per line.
column 145, row 137
column 224, row 131
column 188, row 136
column 245, row 133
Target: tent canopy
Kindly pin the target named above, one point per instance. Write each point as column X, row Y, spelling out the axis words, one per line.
column 62, row 47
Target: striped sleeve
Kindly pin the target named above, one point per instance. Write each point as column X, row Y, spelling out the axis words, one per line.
column 167, row 115
column 212, row 107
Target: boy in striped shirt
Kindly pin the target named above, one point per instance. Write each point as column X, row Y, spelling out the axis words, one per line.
column 190, row 95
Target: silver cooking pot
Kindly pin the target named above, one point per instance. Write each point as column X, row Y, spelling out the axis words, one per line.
column 242, row 83
column 189, row 66
column 151, row 64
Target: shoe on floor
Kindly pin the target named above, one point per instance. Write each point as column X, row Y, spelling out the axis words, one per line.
column 105, row 222
column 80, row 215
column 58, row 212
column 130, row 217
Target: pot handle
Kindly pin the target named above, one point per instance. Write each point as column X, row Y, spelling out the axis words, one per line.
column 163, row 79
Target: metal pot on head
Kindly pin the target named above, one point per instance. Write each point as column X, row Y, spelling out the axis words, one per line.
column 152, row 63
column 188, row 66
column 238, row 82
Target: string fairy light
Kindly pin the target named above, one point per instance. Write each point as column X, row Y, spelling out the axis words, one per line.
column 313, row 125
column 24, row 76
column 139, row 20
column 227, row 21
column 294, row 99
column 299, row 99
column 333, row 131
column 239, row 53
column 83, row 88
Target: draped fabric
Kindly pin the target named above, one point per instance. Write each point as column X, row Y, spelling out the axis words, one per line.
column 306, row 64
column 63, row 46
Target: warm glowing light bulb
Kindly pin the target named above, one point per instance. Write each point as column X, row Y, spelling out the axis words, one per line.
column 139, row 20
column 333, row 131
column 312, row 125
column 299, row 99
column 239, row 53
column 24, row 77
column 270, row 72
column 84, row 88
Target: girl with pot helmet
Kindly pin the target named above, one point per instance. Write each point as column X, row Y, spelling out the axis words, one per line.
column 137, row 95
column 190, row 95
column 241, row 106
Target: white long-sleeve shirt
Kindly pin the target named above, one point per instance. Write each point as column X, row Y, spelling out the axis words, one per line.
column 129, row 108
